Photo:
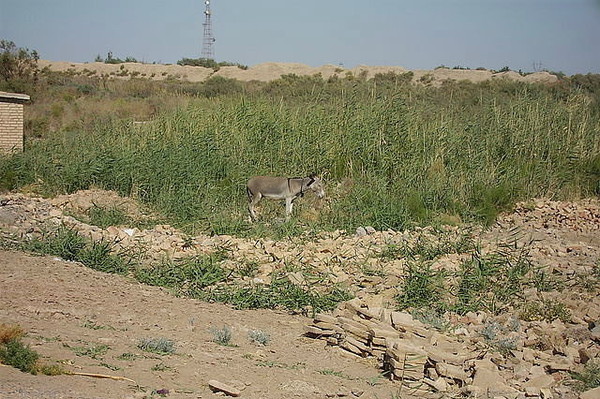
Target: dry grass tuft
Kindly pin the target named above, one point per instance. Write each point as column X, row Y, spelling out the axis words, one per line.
column 9, row 332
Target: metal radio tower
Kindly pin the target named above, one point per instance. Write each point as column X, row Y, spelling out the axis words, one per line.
column 208, row 52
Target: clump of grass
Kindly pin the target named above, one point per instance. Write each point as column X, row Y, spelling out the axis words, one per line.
column 548, row 310
column 222, row 336
column 280, row 293
column 127, row 356
column 589, row 377
column 259, row 337
column 422, row 287
column 160, row 346
column 188, row 276
column 429, row 246
column 335, row 373
column 492, row 281
column 69, row 245
column 107, row 216
column 160, row 367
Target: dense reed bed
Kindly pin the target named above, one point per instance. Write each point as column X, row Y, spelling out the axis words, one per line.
column 392, row 153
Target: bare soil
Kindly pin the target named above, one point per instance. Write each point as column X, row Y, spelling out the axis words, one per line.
column 64, row 306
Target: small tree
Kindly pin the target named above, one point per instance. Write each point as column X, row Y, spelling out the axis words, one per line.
column 17, row 63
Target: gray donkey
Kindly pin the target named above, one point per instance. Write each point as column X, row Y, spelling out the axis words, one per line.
column 279, row 188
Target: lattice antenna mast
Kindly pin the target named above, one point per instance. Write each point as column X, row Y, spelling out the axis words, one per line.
column 208, row 52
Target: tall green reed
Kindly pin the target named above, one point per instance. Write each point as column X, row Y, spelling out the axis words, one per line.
column 392, row 154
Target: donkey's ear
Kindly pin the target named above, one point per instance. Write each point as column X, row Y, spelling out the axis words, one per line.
column 311, row 181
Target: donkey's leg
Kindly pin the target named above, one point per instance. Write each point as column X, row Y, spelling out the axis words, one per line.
column 252, row 201
column 288, row 208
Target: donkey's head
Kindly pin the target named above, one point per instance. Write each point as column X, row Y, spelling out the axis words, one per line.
column 316, row 185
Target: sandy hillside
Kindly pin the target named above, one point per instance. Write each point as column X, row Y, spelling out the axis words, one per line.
column 274, row 70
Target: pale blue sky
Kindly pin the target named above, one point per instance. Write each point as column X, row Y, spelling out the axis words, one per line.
column 559, row 35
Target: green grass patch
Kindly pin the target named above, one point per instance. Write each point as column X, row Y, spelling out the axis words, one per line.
column 107, row 216
column 188, row 276
column 69, row 245
column 280, row 293
column 94, row 351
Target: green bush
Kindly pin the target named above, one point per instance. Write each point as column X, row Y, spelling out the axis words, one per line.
column 161, row 346
column 15, row 353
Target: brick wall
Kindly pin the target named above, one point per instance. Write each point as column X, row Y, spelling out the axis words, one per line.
column 11, row 127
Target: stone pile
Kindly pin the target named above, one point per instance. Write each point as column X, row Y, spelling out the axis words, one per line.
column 470, row 359
column 404, row 347
column 540, row 214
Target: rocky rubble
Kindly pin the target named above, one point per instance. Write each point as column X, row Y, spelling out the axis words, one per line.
column 530, row 361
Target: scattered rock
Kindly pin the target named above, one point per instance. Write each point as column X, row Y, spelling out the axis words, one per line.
column 218, row 386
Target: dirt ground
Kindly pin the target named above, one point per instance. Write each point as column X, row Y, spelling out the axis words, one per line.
column 64, row 306
column 92, row 322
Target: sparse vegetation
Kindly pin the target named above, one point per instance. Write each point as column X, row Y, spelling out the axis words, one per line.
column 492, row 282
column 94, row 351
column 222, row 336
column 589, row 377
column 259, row 337
column 160, row 346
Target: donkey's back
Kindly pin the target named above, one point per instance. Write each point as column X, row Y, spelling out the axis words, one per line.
column 269, row 186
column 281, row 188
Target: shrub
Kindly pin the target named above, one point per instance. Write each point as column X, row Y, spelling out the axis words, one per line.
column 15, row 353
column 259, row 337
column 222, row 336
column 161, row 346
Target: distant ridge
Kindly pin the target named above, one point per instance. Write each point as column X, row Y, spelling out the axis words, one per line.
column 274, row 70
